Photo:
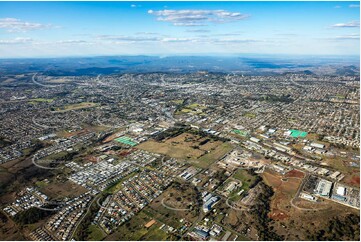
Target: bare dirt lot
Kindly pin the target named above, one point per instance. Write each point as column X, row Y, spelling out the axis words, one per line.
column 285, row 189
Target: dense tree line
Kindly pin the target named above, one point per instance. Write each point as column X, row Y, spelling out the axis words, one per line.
column 262, row 208
column 32, row 215
column 339, row 229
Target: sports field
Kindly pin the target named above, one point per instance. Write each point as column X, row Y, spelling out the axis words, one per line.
column 240, row 132
column 298, row 133
column 126, row 140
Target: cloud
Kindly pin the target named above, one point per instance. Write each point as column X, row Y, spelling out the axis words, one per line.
column 128, row 38
column 337, row 6
column 197, row 17
column 179, row 40
column 354, row 5
column 147, row 33
column 198, row 31
column 71, row 42
column 135, row 6
column 230, row 34
column 348, row 37
column 352, row 24
column 17, row 25
column 236, row 41
column 15, row 41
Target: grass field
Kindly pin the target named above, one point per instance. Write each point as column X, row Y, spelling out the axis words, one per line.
column 178, row 101
column 40, row 100
column 193, row 108
column 177, row 198
column 250, row 115
column 245, row 178
column 189, row 147
column 76, row 106
column 134, row 230
column 96, row 233
column 62, row 189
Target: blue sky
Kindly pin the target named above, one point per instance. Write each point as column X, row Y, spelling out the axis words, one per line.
column 52, row 29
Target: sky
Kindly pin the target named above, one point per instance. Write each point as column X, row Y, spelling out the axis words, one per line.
column 62, row 29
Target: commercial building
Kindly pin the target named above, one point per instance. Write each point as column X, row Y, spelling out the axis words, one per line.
column 323, row 188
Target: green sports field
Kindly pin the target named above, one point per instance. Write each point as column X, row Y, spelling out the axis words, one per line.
column 126, row 140
column 240, row 132
column 297, row 133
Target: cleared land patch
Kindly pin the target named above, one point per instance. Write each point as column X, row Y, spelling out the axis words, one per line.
column 284, row 192
column 202, row 151
column 62, row 189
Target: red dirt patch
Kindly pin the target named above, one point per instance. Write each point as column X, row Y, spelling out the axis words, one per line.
column 125, row 153
column 355, row 180
column 91, row 158
column 295, row 173
column 278, row 215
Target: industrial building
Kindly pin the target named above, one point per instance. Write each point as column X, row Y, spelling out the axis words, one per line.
column 323, row 188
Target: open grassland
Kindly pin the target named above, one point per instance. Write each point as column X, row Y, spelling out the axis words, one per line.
column 96, row 233
column 246, row 178
column 183, row 198
column 193, row 108
column 61, row 189
column 201, row 151
column 40, row 100
column 76, row 106
column 135, row 230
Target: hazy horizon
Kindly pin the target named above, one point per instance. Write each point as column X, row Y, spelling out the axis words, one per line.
column 89, row 29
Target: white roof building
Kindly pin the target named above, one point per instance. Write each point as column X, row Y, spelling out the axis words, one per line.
column 341, row 191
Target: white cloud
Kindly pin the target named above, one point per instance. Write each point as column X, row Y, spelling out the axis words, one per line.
column 348, row 37
column 135, row 6
column 197, row 17
column 128, row 38
column 179, row 40
column 352, row 24
column 354, row 5
column 71, row 42
column 198, row 31
column 17, row 25
column 15, row 41
column 236, row 41
column 337, row 6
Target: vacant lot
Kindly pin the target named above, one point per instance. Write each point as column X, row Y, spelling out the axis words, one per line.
column 285, row 189
column 59, row 189
column 202, row 151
